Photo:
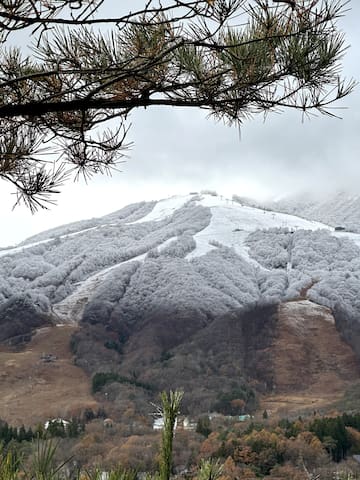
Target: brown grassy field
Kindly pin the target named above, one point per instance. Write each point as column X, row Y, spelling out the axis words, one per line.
column 33, row 390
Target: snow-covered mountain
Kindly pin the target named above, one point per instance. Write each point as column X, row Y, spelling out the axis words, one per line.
column 184, row 289
column 197, row 251
column 339, row 209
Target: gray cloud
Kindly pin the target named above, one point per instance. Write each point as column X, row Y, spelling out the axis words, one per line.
column 178, row 150
column 281, row 153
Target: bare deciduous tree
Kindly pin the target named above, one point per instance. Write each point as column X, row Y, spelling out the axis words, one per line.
column 233, row 58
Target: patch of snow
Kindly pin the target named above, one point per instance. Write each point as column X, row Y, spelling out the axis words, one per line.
column 355, row 237
column 14, row 250
column 231, row 224
column 165, row 208
column 73, row 234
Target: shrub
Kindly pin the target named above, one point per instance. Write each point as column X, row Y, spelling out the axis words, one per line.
column 203, row 426
column 100, row 379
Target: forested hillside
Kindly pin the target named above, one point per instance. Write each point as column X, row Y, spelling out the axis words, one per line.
column 158, row 287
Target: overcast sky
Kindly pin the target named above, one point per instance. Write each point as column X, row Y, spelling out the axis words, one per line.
column 176, row 151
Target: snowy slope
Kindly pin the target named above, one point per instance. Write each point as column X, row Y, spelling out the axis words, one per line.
column 201, row 252
column 128, row 214
column 355, row 237
column 231, row 224
column 22, row 248
column 165, row 208
column 335, row 209
column 70, row 309
column 15, row 250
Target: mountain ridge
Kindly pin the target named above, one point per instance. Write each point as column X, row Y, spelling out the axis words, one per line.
column 340, row 209
column 153, row 287
column 189, row 227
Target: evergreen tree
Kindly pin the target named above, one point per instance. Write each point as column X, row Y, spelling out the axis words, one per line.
column 170, row 410
column 233, row 58
column 203, row 426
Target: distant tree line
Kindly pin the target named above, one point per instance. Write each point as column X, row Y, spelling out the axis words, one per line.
column 9, row 433
column 70, row 429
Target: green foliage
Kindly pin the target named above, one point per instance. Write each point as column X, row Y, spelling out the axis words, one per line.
column 170, row 410
column 74, row 428
column 165, row 356
column 352, row 420
column 210, row 470
column 227, row 404
column 291, row 429
column 122, row 474
column 74, row 342
column 332, row 433
column 253, row 426
column 203, row 426
column 112, row 345
column 9, row 464
column 118, row 473
column 8, row 433
column 100, row 379
column 56, row 429
column 43, row 464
